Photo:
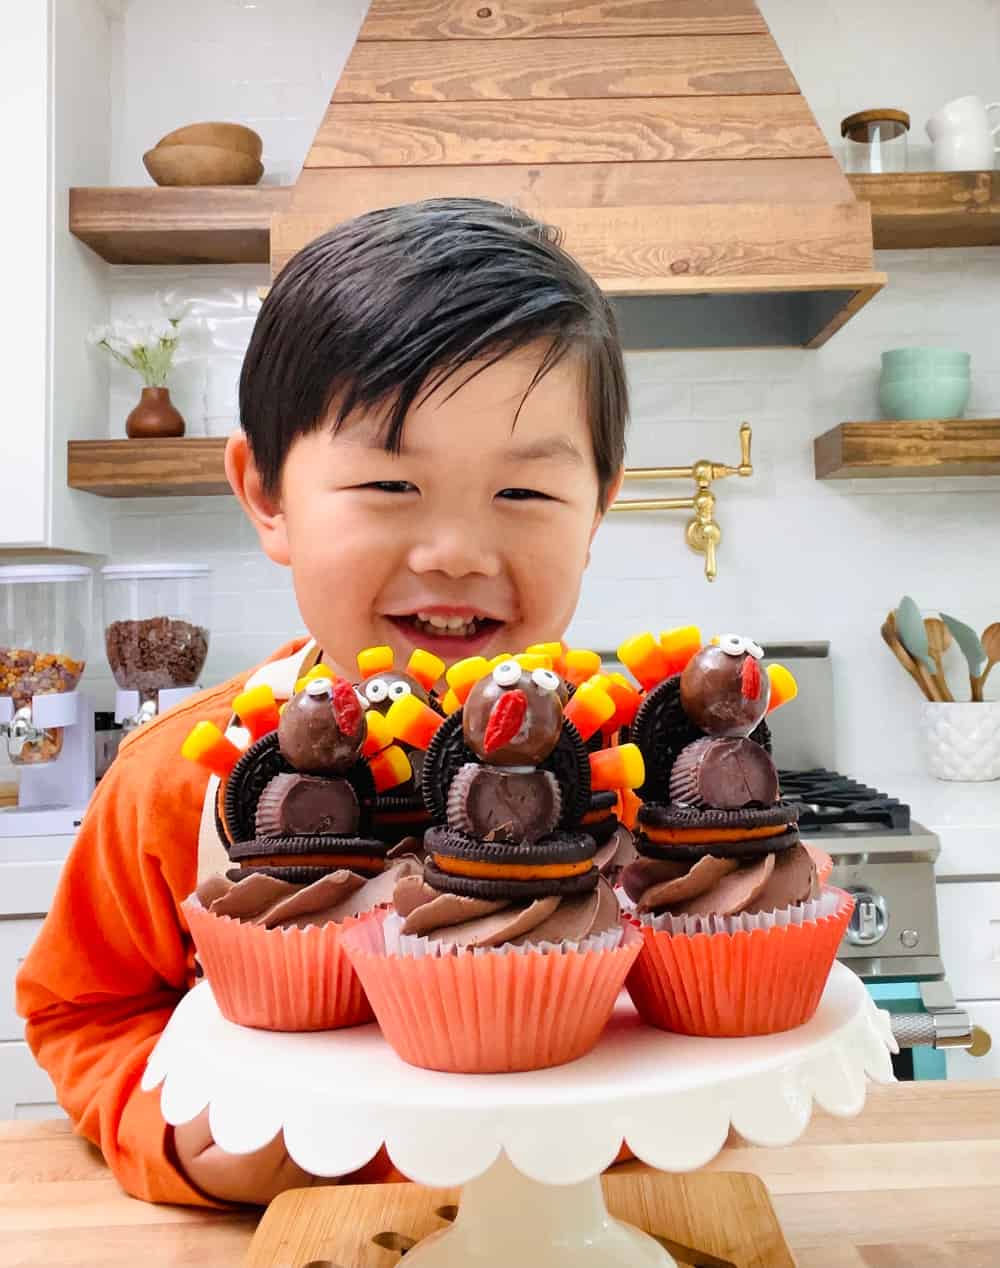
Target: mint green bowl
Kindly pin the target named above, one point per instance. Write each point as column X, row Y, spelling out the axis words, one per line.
column 928, row 396
column 925, row 360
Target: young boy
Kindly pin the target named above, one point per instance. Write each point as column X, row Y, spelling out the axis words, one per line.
column 433, row 408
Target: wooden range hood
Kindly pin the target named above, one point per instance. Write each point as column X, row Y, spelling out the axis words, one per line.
column 667, row 138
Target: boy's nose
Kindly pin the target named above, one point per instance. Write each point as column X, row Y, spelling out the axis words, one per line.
column 458, row 549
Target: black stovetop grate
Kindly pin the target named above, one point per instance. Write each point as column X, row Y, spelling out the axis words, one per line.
column 829, row 800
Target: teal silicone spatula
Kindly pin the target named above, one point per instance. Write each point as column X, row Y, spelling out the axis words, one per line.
column 913, row 636
column 971, row 648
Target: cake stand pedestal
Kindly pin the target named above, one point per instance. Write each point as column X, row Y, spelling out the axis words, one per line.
column 529, row 1148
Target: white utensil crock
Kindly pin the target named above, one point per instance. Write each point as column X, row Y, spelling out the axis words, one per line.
column 962, row 740
column 963, row 135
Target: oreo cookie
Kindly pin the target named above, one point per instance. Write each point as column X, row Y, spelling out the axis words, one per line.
column 727, row 822
column 748, row 848
column 657, row 816
column 600, row 821
column 559, row 849
column 399, row 815
column 255, row 770
column 447, row 753
column 305, row 857
column 662, row 730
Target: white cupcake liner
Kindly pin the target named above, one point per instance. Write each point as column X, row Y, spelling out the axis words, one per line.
column 797, row 914
column 413, row 946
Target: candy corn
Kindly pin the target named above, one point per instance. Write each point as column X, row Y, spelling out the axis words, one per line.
column 257, row 710
column 579, row 664
column 379, row 733
column 618, row 767
column 425, row 667
column 207, row 746
column 464, row 675
column 628, row 813
column 555, row 652
column 645, row 659
column 413, row 722
column 679, row 646
column 589, row 709
column 450, row 702
column 374, row 660
column 783, row 686
column 626, row 700
column 317, row 671
column 530, row 661
column 390, row 768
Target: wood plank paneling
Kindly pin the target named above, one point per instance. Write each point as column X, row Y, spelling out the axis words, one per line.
column 490, row 19
column 576, row 184
column 965, row 446
column 150, row 225
column 612, row 130
column 641, row 247
column 932, row 209
column 498, row 70
column 148, row 468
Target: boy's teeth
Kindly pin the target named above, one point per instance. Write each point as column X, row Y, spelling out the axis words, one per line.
column 457, row 625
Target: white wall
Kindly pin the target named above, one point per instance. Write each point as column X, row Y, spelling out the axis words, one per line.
column 800, row 559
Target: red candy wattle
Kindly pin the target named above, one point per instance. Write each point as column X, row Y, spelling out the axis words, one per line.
column 750, row 679
column 346, row 707
column 506, row 718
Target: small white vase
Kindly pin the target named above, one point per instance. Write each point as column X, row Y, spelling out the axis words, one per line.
column 962, row 740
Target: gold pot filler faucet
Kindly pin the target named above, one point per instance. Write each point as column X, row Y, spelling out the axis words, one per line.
column 703, row 534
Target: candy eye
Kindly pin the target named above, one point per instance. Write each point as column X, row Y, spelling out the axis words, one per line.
column 320, row 687
column 376, row 691
column 755, row 649
column 399, row 689
column 733, row 644
column 545, row 679
column 507, row 673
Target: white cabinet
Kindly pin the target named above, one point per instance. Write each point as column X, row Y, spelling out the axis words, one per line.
column 969, row 916
column 26, row 1091
column 54, row 133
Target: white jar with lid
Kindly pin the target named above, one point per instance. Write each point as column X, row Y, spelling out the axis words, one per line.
column 155, row 630
column 45, row 612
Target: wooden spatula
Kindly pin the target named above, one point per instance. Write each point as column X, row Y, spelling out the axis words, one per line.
column 991, row 646
column 938, row 641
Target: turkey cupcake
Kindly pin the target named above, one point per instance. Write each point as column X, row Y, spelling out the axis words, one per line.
column 739, row 931
column 508, row 951
column 295, row 813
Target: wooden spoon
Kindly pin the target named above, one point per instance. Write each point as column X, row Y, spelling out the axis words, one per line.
column 891, row 640
column 938, row 641
column 991, row 646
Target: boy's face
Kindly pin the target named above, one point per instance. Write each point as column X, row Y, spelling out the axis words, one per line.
column 472, row 540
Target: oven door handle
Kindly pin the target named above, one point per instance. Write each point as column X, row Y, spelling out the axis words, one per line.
column 943, row 1028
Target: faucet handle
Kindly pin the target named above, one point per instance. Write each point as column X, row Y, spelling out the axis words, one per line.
column 720, row 470
column 704, row 536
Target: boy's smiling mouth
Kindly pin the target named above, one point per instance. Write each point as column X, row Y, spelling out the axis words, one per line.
column 449, row 632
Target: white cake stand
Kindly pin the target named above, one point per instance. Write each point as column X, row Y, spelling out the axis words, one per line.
column 530, row 1148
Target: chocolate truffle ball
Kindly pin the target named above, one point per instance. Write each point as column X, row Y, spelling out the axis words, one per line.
column 321, row 729
column 513, row 717
column 383, row 689
column 721, row 694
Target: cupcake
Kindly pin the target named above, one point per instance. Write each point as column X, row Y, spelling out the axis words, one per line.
column 294, row 812
column 509, row 950
column 739, row 932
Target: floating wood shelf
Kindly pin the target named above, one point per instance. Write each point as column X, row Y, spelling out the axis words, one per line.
column 153, row 225
column 932, row 209
column 148, row 468
column 953, row 447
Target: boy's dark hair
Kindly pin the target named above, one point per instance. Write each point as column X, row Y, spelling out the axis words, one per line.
column 386, row 307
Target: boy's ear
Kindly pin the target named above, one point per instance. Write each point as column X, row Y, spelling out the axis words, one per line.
column 614, row 488
column 263, row 510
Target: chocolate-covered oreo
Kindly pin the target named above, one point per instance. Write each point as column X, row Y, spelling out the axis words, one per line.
column 504, row 805
column 299, row 859
column 723, row 693
column 724, row 774
column 306, row 805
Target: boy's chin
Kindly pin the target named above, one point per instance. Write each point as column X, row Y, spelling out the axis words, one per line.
column 484, row 641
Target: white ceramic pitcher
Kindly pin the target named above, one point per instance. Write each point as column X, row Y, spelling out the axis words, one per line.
column 963, row 135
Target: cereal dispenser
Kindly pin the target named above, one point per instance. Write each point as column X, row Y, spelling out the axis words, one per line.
column 155, row 635
column 47, row 724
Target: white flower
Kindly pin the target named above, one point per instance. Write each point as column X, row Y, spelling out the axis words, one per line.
column 174, row 308
column 98, row 334
column 164, row 329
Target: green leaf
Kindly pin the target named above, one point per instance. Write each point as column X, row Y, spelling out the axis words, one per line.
column 911, row 631
column 968, row 641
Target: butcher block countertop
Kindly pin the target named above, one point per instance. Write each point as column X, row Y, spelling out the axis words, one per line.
column 913, row 1182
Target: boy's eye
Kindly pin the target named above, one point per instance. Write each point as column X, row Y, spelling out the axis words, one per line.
column 391, row 486
column 523, row 495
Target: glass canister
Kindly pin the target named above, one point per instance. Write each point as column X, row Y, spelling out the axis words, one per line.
column 45, row 612
column 156, row 625
column 875, row 140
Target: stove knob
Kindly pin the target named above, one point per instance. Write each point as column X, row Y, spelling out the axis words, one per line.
column 909, row 938
column 870, row 919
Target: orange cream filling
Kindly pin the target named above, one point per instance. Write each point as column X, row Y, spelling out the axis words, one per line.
column 684, row 836
column 597, row 816
column 364, row 863
column 511, row 871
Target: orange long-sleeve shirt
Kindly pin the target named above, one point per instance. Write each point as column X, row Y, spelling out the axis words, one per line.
column 114, row 956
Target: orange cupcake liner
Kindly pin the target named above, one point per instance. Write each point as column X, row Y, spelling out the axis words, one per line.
column 279, row 979
column 728, row 985
column 489, row 1013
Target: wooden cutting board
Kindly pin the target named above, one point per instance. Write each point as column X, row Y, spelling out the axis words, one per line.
column 727, row 1217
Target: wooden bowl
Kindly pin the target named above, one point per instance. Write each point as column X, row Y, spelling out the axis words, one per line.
column 228, row 136
column 201, row 165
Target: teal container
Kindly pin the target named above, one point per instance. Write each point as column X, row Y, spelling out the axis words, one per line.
column 925, row 360
column 920, row 383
